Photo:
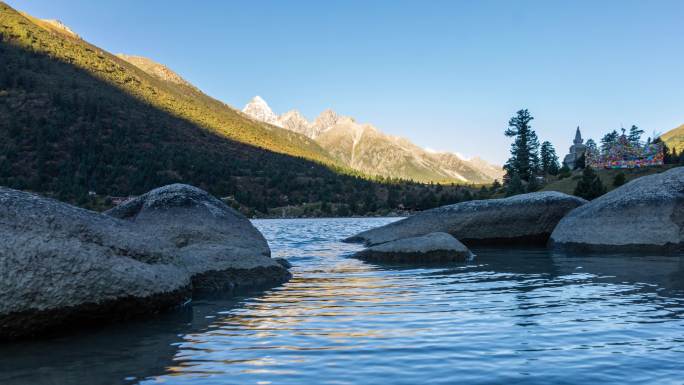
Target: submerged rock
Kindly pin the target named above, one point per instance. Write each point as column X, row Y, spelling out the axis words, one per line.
column 218, row 246
column 430, row 248
column 646, row 214
column 521, row 219
column 283, row 262
column 61, row 266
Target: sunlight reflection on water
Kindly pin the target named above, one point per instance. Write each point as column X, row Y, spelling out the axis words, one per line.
column 510, row 315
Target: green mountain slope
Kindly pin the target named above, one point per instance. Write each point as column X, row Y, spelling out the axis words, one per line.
column 674, row 138
column 184, row 102
column 74, row 119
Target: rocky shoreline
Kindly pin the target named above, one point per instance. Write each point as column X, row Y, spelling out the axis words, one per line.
column 644, row 215
column 62, row 267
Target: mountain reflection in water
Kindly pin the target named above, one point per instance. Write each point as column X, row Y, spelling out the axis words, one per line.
column 511, row 315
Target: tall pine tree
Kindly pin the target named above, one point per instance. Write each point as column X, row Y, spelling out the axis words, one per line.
column 524, row 160
column 634, row 136
column 549, row 159
column 609, row 140
column 592, row 148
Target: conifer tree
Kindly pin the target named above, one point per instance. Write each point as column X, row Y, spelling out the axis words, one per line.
column 609, row 140
column 549, row 159
column 592, row 148
column 533, row 185
column 675, row 154
column 634, row 136
column 524, row 160
column 668, row 156
column 514, row 186
column 589, row 186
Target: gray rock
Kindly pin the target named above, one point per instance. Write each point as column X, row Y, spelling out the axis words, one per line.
column 646, row 214
column 430, row 248
column 219, row 247
column 521, row 219
column 61, row 266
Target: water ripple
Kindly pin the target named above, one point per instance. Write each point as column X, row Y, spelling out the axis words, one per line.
column 512, row 315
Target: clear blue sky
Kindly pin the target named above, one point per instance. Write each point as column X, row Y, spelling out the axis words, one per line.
column 445, row 74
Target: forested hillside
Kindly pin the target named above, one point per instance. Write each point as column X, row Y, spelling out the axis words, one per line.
column 75, row 119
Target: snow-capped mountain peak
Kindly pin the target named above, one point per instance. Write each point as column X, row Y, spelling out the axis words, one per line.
column 366, row 149
column 258, row 109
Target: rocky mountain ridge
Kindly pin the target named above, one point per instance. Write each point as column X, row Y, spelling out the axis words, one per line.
column 52, row 25
column 365, row 148
column 155, row 69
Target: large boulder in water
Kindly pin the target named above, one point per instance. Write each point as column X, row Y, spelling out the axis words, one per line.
column 61, row 266
column 646, row 214
column 218, row 246
column 430, row 248
column 521, row 219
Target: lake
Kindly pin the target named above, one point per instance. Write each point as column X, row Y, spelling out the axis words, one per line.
column 512, row 315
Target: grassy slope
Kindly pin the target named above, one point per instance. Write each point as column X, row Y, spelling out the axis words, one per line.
column 74, row 119
column 675, row 138
column 184, row 102
column 567, row 185
column 190, row 103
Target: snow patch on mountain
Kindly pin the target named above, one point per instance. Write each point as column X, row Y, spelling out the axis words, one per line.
column 258, row 109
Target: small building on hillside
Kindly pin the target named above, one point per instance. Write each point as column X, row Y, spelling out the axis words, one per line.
column 577, row 150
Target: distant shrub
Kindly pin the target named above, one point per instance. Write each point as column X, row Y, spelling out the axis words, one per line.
column 564, row 172
column 589, row 186
column 619, row 180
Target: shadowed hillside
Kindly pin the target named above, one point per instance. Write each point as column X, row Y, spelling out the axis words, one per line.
column 74, row 119
column 181, row 100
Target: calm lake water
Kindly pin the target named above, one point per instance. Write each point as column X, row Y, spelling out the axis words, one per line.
column 509, row 316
